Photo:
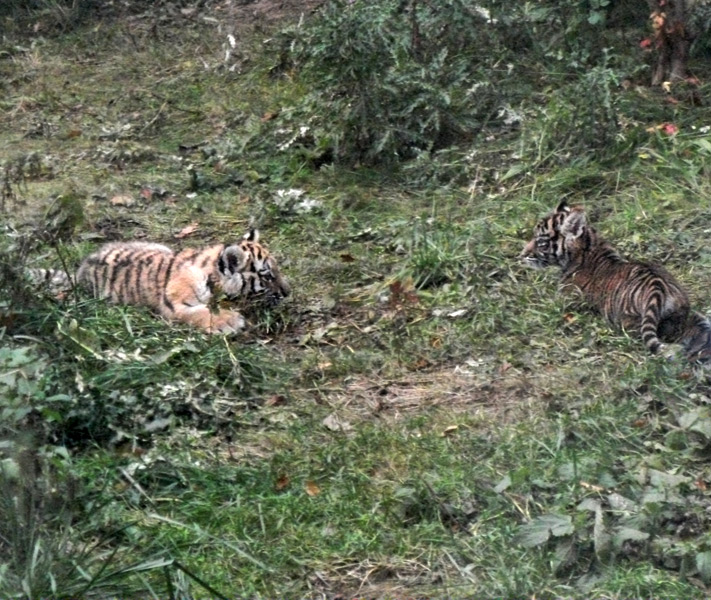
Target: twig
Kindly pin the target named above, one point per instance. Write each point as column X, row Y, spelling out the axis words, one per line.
column 155, row 118
column 137, row 487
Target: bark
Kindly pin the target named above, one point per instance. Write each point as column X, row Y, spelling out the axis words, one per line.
column 672, row 39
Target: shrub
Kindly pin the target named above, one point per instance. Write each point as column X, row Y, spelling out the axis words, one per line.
column 387, row 78
column 579, row 120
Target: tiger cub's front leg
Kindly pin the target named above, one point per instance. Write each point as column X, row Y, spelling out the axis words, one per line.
column 187, row 298
column 223, row 321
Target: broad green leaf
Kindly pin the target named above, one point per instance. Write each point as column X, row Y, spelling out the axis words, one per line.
column 698, row 420
column 660, row 479
column 504, row 484
column 591, row 504
column 601, row 538
column 703, row 144
column 596, row 17
column 9, row 469
column 619, row 502
column 703, row 564
column 540, row 530
column 624, row 534
column 565, row 553
column 514, row 170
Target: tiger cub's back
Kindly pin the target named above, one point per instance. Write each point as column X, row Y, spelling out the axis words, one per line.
column 128, row 272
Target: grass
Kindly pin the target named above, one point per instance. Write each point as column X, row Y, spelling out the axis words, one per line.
column 396, row 426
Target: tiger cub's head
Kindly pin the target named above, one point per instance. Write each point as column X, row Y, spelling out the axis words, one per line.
column 247, row 269
column 559, row 238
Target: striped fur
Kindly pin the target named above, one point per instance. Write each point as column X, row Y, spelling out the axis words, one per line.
column 184, row 286
column 635, row 295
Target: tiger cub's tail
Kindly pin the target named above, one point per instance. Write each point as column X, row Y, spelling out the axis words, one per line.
column 55, row 281
column 696, row 339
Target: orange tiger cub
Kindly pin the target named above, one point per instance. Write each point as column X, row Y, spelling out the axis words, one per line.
column 183, row 286
column 631, row 294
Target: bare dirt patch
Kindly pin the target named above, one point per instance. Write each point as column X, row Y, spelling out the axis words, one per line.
column 503, row 398
column 260, row 12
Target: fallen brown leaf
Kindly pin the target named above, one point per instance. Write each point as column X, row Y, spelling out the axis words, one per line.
column 122, row 200
column 187, row 230
column 448, row 431
column 334, row 423
column 275, row 400
column 312, row 489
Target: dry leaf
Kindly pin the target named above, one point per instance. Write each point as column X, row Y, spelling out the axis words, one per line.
column 333, row 423
column 402, row 293
column 591, row 486
column 282, row 483
column 122, row 200
column 187, row 230
column 312, row 489
column 275, row 400
column 450, row 430
column 420, row 363
column 268, row 116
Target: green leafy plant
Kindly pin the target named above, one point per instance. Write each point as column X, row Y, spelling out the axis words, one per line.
column 436, row 254
column 387, row 78
column 579, row 121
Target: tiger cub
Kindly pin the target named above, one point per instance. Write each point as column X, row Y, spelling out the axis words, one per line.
column 183, row 286
column 631, row 294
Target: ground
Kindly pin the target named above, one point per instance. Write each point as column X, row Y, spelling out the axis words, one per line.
column 423, row 417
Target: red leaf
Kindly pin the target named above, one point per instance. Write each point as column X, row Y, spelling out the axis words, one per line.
column 670, row 128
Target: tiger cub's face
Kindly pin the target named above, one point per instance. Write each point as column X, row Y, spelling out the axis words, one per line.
column 558, row 238
column 247, row 269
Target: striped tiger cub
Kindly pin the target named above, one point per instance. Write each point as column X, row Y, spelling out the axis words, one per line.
column 184, row 286
column 634, row 295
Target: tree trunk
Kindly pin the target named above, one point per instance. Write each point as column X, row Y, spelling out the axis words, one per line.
column 672, row 39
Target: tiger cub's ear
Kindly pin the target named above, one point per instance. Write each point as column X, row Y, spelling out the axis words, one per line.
column 232, row 260
column 574, row 224
column 563, row 206
column 251, row 236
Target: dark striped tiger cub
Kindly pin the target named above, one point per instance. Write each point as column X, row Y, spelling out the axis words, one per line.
column 183, row 286
column 634, row 295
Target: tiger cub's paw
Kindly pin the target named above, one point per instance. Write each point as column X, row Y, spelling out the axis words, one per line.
column 227, row 322
column 670, row 352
